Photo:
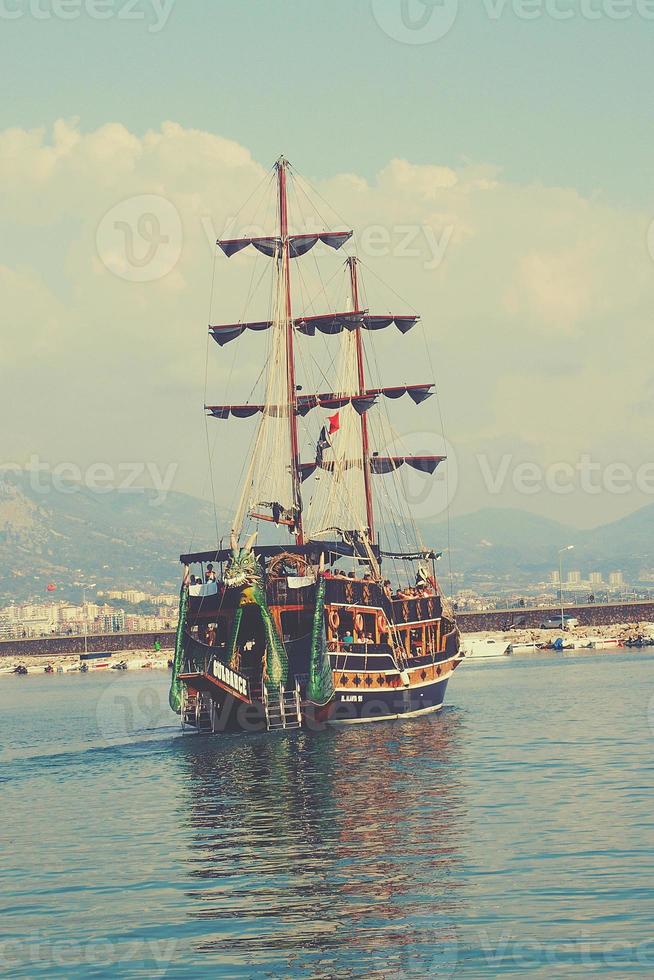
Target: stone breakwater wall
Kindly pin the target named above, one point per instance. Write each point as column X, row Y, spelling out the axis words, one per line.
column 471, row 622
column 588, row 615
column 66, row 646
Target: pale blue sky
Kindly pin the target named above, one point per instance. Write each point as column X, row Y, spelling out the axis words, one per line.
column 538, row 316
column 563, row 102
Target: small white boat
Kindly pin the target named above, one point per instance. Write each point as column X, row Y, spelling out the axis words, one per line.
column 487, row 649
column 523, row 647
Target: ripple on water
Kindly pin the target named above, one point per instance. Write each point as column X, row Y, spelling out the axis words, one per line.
column 510, row 834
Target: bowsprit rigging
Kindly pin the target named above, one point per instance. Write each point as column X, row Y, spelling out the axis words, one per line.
column 309, row 630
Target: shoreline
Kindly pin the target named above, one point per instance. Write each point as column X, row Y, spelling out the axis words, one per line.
column 69, row 663
column 577, row 637
column 523, row 640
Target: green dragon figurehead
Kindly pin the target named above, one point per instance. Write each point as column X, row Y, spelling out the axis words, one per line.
column 243, row 570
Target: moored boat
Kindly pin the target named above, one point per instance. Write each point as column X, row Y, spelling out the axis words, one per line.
column 485, row 648
column 311, row 630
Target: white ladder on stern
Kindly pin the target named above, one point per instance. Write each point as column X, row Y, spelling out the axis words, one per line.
column 283, row 708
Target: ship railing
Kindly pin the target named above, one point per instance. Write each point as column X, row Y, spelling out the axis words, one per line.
column 359, row 592
column 278, row 592
column 198, row 656
column 355, row 656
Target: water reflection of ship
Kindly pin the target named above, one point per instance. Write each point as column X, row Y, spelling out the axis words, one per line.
column 301, row 850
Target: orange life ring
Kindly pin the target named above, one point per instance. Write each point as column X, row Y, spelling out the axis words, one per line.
column 381, row 623
column 358, row 622
column 334, row 619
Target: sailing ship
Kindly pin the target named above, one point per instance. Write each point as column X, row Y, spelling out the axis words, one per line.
column 310, row 630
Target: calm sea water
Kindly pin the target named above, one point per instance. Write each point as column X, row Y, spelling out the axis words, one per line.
column 512, row 834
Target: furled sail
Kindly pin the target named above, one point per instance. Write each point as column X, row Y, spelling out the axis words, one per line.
column 330, row 400
column 334, row 323
column 298, row 244
column 341, row 492
column 379, row 465
column 269, row 482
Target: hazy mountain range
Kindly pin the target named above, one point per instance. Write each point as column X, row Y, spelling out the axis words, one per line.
column 122, row 539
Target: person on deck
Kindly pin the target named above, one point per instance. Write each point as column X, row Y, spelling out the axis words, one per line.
column 348, row 638
column 210, row 575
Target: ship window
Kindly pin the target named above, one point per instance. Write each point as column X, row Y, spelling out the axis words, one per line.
column 417, row 643
column 346, row 622
column 296, row 624
column 369, row 624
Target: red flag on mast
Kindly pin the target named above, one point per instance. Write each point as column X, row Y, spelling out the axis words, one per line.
column 334, row 423
column 325, row 437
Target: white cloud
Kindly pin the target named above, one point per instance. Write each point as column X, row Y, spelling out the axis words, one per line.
column 541, row 301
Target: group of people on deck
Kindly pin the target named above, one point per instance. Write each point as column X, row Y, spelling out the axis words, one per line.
column 416, row 592
column 348, row 638
column 209, row 576
column 421, row 590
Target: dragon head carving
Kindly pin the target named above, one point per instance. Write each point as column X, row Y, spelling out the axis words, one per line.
column 243, row 570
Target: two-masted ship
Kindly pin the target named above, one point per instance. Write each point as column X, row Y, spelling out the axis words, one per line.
column 327, row 625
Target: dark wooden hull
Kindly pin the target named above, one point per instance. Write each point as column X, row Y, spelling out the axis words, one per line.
column 397, row 664
column 424, row 693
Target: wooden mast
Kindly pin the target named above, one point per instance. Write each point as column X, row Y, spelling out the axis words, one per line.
column 282, row 169
column 365, row 446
